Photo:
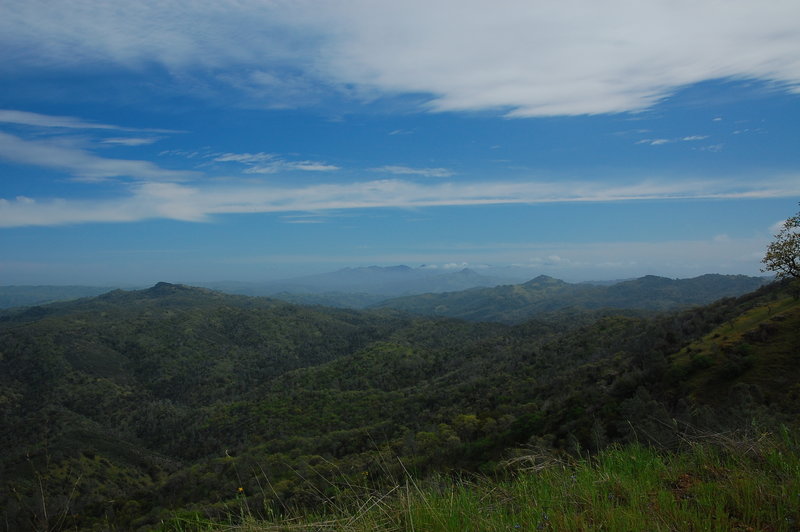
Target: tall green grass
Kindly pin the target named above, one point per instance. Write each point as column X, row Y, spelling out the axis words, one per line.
column 717, row 483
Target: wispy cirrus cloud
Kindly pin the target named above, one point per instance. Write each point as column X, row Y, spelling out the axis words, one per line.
column 407, row 170
column 244, row 158
column 654, row 142
column 280, row 165
column 80, row 163
column 198, row 203
column 520, row 58
column 270, row 163
column 662, row 141
column 130, row 141
column 25, row 118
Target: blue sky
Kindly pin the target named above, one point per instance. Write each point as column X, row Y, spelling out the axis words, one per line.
column 254, row 140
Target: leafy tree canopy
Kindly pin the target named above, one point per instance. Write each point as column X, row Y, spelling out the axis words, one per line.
column 783, row 254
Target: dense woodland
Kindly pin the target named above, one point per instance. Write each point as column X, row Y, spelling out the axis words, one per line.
column 125, row 410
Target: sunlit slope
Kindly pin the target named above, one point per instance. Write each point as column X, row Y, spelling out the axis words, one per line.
column 755, row 354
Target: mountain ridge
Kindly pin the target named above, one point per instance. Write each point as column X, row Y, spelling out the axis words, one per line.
column 516, row 303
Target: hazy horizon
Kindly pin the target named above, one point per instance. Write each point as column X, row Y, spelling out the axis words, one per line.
column 256, row 141
column 502, row 274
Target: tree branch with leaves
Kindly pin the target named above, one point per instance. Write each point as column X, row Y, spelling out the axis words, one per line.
column 783, row 254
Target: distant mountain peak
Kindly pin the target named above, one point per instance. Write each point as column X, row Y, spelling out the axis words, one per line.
column 542, row 280
column 161, row 285
column 163, row 288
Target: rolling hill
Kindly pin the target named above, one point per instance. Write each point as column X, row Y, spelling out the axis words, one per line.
column 129, row 408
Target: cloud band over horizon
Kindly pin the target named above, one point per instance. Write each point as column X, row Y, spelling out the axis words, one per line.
column 195, row 203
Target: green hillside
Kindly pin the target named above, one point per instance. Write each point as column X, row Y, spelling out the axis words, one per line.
column 128, row 409
column 754, row 354
column 517, row 303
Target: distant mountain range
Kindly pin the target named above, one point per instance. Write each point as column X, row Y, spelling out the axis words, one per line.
column 462, row 293
column 358, row 287
column 25, row 296
column 516, row 303
column 348, row 287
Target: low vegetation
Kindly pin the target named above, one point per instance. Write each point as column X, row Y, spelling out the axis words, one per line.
column 718, row 482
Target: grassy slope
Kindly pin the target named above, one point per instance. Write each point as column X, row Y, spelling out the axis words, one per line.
column 756, row 353
column 720, row 484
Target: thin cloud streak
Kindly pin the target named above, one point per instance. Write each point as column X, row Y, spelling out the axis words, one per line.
column 131, row 141
column 25, row 118
column 80, row 163
column 195, row 204
column 270, row 163
column 405, row 170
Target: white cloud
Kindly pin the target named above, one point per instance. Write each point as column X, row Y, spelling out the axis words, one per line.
column 604, row 260
column 524, row 58
column 777, row 227
column 61, row 155
column 270, row 163
column 310, row 166
column 570, row 57
column 245, row 158
column 659, row 142
column 714, row 148
column 279, row 165
column 11, row 116
column 405, row 170
column 303, row 219
column 130, row 141
column 455, row 266
column 197, row 203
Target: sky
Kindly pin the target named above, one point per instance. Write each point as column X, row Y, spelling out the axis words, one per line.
column 191, row 141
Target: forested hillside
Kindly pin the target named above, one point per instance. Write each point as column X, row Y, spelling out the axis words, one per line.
column 133, row 407
column 517, row 303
